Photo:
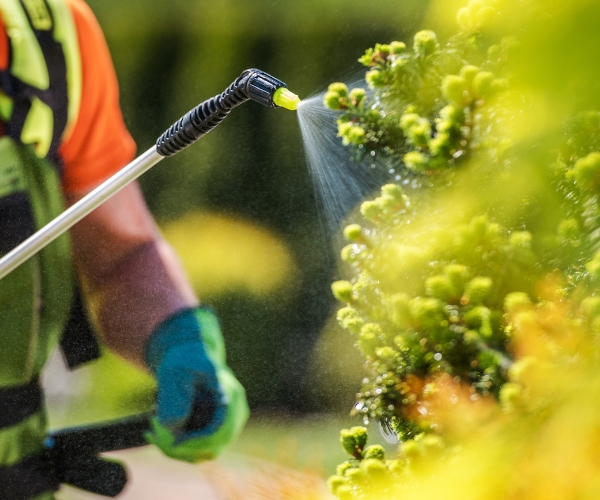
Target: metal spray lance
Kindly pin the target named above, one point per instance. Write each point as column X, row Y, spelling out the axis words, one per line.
column 252, row 84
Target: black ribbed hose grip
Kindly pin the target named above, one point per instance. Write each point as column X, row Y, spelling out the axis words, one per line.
column 251, row 84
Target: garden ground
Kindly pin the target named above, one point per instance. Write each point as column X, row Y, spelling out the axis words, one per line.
column 276, row 458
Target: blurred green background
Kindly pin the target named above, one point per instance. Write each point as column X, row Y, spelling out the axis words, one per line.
column 239, row 206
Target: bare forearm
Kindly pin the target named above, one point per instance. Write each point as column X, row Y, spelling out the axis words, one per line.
column 132, row 277
column 141, row 291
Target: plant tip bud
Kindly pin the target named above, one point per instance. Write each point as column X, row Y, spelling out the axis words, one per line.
column 425, row 43
column 354, row 440
column 353, row 232
column 342, row 291
column 375, row 451
column 587, row 172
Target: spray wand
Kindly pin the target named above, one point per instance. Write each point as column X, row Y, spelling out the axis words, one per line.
column 252, row 84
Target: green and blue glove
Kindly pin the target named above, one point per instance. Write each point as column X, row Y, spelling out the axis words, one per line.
column 201, row 406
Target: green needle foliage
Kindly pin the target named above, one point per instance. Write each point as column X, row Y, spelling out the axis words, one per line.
column 431, row 109
column 482, row 261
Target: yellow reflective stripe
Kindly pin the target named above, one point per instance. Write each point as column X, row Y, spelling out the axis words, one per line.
column 38, row 127
column 45, row 496
column 22, row 440
column 6, row 107
column 39, row 15
column 28, row 63
column 65, row 32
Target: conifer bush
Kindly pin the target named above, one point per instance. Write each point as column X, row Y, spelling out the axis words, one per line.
column 473, row 275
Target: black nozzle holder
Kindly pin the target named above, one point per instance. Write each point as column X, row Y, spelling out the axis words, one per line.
column 251, row 84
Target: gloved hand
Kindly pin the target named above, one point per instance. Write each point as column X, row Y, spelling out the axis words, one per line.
column 201, row 406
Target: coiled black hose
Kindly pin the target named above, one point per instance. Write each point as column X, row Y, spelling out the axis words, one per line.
column 251, row 84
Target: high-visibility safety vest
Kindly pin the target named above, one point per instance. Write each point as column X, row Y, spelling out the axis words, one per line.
column 40, row 94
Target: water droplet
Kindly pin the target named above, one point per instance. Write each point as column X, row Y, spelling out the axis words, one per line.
column 391, row 407
column 358, row 406
column 366, row 421
column 437, row 356
column 391, row 171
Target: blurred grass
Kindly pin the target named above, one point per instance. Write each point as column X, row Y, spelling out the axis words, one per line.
column 310, row 443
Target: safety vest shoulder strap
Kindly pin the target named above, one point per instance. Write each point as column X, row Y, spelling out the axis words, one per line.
column 42, row 85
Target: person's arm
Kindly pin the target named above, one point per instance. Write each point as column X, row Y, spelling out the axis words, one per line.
column 147, row 312
column 131, row 275
column 144, row 306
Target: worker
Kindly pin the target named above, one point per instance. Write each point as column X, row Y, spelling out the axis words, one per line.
column 62, row 134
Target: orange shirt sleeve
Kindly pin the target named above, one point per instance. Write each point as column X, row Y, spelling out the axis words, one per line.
column 99, row 144
column 3, row 46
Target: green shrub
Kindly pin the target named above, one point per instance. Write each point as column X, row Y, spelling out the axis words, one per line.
column 483, row 266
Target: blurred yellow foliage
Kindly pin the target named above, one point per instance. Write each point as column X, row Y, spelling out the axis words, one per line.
column 549, row 448
column 544, row 448
column 221, row 253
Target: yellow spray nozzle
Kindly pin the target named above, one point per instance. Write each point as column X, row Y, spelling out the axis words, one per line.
column 286, row 99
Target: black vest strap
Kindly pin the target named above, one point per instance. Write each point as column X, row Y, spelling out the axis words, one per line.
column 19, row 402
column 78, row 341
column 30, row 477
column 16, row 220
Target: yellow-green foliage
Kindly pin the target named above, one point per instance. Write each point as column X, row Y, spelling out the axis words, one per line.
column 518, row 449
column 474, row 294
